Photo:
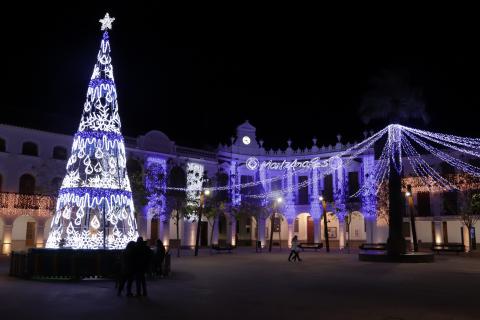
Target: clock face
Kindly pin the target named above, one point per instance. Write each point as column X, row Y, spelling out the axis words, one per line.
column 246, row 140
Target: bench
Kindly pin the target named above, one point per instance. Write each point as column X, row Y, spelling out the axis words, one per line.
column 449, row 247
column 309, row 245
column 228, row 248
column 373, row 246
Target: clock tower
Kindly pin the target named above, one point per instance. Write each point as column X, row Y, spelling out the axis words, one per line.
column 246, row 136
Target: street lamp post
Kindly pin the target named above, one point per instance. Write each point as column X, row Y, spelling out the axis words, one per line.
column 272, row 218
column 200, row 212
column 409, row 196
column 325, row 226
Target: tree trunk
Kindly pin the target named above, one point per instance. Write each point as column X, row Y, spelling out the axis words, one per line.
column 197, row 236
column 395, row 242
column 325, row 230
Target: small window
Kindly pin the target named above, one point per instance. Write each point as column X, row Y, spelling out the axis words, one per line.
column 2, row 145
column 27, row 184
column 423, row 204
column 295, row 226
column 30, row 149
column 59, row 153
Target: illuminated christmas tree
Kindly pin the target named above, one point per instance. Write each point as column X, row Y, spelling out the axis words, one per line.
column 94, row 207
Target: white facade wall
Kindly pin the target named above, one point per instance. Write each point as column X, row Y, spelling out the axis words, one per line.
column 44, row 168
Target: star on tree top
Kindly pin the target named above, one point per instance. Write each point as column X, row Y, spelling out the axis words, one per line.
column 106, row 22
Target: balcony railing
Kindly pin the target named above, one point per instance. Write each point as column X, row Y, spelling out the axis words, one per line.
column 11, row 200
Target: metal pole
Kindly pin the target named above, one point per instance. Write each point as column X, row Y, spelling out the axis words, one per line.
column 200, row 211
column 325, row 226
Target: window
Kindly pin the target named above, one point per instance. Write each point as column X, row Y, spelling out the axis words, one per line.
column 328, row 188
column 276, row 185
column 27, row 184
column 423, row 204
column 302, row 192
column 353, row 184
column 2, row 145
column 295, row 226
column 55, row 185
column 246, row 179
column 222, row 181
column 450, row 206
column 30, row 149
column 59, row 153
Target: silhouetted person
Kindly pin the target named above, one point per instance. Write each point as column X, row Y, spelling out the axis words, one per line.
column 159, row 257
column 294, row 251
column 127, row 268
column 142, row 261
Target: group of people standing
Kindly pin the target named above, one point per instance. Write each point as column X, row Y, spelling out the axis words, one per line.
column 138, row 259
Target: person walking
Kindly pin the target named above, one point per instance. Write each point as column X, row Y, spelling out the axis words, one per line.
column 143, row 256
column 159, row 257
column 127, row 268
column 294, row 250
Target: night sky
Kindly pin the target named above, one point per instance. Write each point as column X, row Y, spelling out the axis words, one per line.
column 197, row 73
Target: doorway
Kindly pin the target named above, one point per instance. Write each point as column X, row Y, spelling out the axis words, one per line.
column 30, row 236
column 310, row 232
column 204, row 233
column 154, row 230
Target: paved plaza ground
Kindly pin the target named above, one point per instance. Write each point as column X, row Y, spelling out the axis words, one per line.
column 246, row 285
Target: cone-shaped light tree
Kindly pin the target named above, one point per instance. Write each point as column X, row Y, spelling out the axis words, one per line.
column 94, row 207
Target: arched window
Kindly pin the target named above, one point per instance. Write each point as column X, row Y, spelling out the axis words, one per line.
column 30, row 149
column 134, row 166
column 55, row 185
column 59, row 153
column 27, row 184
column 3, row 145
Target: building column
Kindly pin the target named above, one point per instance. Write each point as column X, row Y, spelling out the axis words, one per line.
column 341, row 233
column 466, row 238
column 438, row 232
column 261, row 225
column 7, row 238
column 291, row 223
column 233, row 231
column 39, row 230
column 316, row 230
column 215, row 230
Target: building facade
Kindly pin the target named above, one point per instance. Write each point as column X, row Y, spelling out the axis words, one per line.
column 32, row 164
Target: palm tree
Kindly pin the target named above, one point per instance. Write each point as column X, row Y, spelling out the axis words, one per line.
column 393, row 98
